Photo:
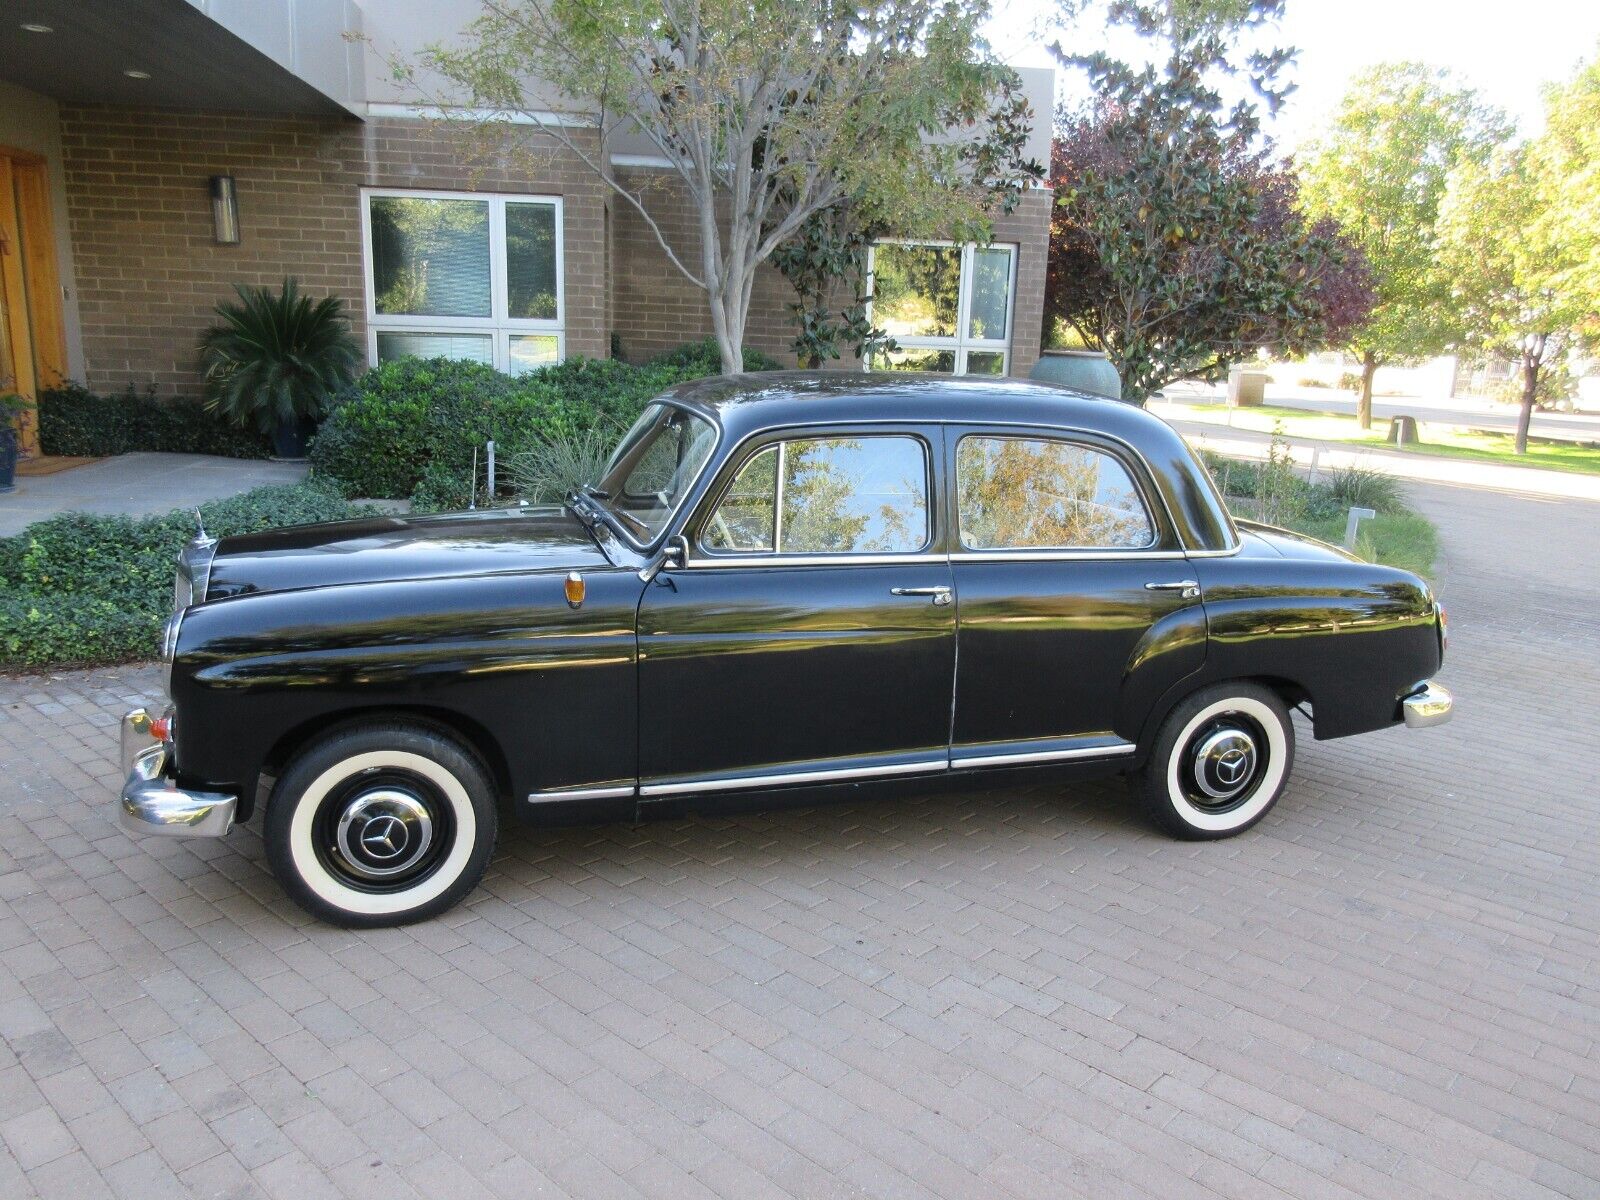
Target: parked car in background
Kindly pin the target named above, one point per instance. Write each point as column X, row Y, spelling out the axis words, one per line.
column 781, row 583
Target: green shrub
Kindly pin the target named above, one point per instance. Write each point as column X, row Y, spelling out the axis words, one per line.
column 80, row 590
column 547, row 472
column 76, row 421
column 1362, row 487
column 703, row 358
column 415, row 418
column 442, row 489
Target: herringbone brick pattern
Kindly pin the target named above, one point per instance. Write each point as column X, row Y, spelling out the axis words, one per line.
column 1390, row 988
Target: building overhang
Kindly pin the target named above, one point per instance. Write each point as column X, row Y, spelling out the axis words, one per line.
column 271, row 56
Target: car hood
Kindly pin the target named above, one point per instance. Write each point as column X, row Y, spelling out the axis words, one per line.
column 383, row 549
column 1268, row 541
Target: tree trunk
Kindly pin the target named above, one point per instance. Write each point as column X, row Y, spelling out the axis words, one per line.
column 1369, row 368
column 1530, row 392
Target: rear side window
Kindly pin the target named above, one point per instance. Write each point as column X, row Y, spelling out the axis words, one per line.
column 855, row 495
column 1016, row 493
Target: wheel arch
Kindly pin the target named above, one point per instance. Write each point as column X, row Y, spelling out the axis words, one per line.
column 1291, row 692
column 469, row 733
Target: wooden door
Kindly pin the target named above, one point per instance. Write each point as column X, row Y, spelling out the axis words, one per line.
column 32, row 336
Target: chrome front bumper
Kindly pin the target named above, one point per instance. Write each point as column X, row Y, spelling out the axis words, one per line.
column 1427, row 706
column 151, row 803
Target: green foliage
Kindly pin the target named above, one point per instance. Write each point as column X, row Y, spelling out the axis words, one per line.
column 442, row 488
column 1380, row 172
column 547, row 472
column 76, row 421
column 703, row 358
column 1362, row 487
column 1567, row 159
column 826, row 264
column 414, row 418
column 276, row 358
column 768, row 111
column 79, row 589
column 1177, row 244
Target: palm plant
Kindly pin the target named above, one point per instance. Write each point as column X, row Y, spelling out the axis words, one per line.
column 276, row 358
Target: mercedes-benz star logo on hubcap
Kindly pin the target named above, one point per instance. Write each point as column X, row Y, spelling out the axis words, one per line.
column 384, row 836
column 1231, row 767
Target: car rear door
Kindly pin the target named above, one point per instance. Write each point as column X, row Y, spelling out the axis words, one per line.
column 810, row 636
column 1077, row 608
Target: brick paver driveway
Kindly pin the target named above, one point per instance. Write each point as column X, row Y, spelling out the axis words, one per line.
column 1389, row 988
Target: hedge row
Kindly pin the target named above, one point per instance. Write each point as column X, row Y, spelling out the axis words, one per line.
column 408, row 428
column 83, row 590
column 76, row 421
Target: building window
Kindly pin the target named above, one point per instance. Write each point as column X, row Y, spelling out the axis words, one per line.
column 947, row 306
column 471, row 276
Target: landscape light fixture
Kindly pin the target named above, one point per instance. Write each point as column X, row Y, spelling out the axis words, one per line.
column 224, row 210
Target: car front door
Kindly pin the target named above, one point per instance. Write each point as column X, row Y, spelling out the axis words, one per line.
column 1078, row 609
column 810, row 634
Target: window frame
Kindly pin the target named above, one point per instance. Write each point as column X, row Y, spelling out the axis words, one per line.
column 702, row 555
column 1156, row 515
column 498, row 326
column 961, row 344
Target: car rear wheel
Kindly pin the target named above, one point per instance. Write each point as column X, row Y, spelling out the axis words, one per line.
column 1220, row 762
column 381, row 824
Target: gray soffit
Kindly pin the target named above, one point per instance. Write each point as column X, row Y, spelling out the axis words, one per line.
column 193, row 62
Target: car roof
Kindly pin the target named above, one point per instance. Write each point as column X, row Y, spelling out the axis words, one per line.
column 747, row 404
column 744, row 404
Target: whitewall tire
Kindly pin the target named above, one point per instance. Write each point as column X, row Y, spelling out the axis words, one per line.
column 1219, row 763
column 381, row 824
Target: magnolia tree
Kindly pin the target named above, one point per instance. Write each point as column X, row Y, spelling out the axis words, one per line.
column 1178, row 246
column 1514, row 250
column 1379, row 172
column 768, row 112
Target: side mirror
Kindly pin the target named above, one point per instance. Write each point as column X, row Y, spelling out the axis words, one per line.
column 674, row 555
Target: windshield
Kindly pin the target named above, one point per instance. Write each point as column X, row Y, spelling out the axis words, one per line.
column 653, row 468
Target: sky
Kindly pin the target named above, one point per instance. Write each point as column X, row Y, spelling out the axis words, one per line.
column 1506, row 50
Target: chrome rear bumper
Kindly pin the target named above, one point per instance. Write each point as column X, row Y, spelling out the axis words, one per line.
column 1427, row 706
column 151, row 803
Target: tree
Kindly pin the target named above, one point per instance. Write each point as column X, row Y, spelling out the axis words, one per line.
column 1517, row 244
column 768, row 112
column 826, row 264
column 1379, row 172
column 1567, row 159
column 1177, row 245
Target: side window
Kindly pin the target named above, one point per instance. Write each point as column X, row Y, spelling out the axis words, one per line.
column 857, row 495
column 1018, row 493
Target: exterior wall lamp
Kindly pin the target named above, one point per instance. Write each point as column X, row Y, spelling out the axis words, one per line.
column 224, row 210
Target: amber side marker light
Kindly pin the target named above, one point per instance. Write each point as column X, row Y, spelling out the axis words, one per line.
column 576, row 589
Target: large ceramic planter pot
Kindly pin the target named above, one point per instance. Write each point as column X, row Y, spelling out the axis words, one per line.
column 289, row 439
column 8, row 459
column 1084, row 370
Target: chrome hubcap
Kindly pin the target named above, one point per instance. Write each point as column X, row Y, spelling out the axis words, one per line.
column 1224, row 763
column 383, row 832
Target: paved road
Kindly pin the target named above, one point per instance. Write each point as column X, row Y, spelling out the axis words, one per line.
column 1478, row 414
column 1390, row 988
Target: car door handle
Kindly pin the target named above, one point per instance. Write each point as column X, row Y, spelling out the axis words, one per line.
column 940, row 594
column 1190, row 588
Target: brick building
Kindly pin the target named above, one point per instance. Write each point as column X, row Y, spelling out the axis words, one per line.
column 153, row 153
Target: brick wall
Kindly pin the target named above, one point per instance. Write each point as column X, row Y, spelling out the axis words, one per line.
column 149, row 273
column 656, row 307
column 139, row 216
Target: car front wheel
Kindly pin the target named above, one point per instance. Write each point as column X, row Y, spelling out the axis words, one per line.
column 1220, row 762
column 381, row 824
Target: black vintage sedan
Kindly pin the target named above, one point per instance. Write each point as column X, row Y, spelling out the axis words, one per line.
column 780, row 583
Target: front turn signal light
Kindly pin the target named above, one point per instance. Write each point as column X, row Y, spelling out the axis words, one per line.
column 576, row 589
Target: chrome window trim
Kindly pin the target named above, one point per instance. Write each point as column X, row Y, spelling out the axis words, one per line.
column 691, row 494
column 1065, row 555
column 732, row 557
column 1133, row 478
column 748, row 562
column 734, row 782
